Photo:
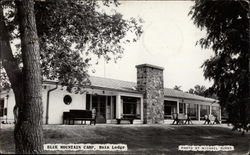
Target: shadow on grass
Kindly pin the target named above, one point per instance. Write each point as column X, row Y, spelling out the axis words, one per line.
column 144, row 139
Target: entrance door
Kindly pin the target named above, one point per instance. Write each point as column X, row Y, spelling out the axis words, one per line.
column 99, row 103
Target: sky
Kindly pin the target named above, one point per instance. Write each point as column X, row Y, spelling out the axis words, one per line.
column 168, row 41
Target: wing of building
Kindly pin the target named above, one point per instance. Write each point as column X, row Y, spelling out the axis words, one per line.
column 147, row 100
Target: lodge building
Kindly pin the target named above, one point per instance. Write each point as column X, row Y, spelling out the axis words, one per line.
column 147, row 99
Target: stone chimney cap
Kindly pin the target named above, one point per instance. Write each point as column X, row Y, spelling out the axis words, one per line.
column 149, row 65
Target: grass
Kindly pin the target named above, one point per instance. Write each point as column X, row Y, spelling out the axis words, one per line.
column 141, row 139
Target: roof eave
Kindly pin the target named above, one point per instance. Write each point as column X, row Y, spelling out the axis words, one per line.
column 112, row 89
column 214, row 101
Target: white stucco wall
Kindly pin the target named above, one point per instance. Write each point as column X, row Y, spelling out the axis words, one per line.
column 9, row 103
column 57, row 106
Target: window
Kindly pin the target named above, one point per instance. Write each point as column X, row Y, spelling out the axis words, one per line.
column 129, row 108
column 1, row 107
column 109, row 101
column 204, row 110
column 167, row 110
column 215, row 111
column 182, row 107
column 192, row 110
column 130, row 105
column 114, row 106
column 67, row 99
column 108, row 108
column 170, row 107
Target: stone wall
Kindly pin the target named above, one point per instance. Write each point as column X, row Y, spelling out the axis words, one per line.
column 150, row 82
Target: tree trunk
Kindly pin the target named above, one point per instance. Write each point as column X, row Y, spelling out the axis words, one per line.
column 28, row 130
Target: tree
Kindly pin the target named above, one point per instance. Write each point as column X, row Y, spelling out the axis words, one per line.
column 190, row 91
column 28, row 132
column 198, row 90
column 202, row 91
column 227, row 27
column 177, row 88
column 66, row 31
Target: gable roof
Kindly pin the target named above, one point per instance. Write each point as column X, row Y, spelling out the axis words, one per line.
column 120, row 85
column 114, row 84
column 180, row 94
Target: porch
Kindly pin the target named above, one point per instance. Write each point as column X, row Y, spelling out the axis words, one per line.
column 109, row 107
column 196, row 110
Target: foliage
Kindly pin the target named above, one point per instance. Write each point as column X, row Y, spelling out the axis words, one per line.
column 177, row 88
column 70, row 31
column 4, row 82
column 198, row 90
column 202, row 91
column 227, row 27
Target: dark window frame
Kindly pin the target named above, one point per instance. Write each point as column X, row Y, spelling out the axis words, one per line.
column 2, row 109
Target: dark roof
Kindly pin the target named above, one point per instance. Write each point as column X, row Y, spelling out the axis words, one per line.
column 179, row 94
column 120, row 85
column 108, row 83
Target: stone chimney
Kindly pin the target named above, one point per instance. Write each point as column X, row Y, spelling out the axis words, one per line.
column 150, row 82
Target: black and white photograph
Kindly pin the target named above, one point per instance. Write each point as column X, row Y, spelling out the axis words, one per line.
column 125, row 77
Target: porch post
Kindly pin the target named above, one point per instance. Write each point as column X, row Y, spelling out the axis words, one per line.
column 220, row 113
column 199, row 113
column 142, row 109
column 111, row 107
column 186, row 109
column 178, row 107
column 118, row 106
column 121, row 107
column 210, row 109
column 106, row 107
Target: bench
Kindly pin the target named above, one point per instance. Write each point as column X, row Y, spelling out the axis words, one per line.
column 126, row 117
column 211, row 119
column 181, row 119
column 188, row 119
column 78, row 115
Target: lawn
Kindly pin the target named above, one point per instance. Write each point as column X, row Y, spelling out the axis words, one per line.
column 140, row 139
